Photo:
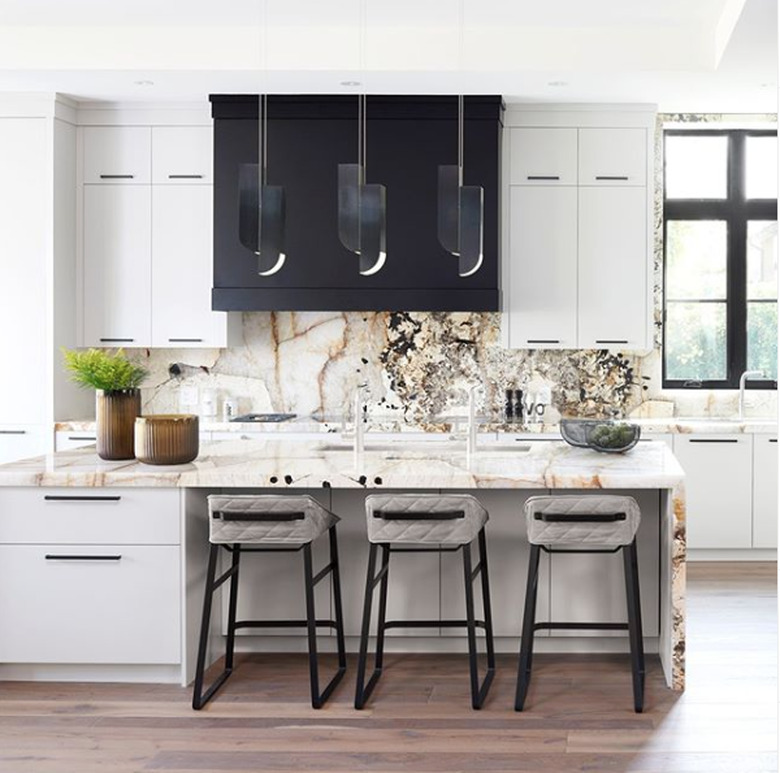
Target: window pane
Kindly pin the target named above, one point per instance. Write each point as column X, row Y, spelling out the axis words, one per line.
column 761, row 167
column 696, row 341
column 762, row 338
column 761, row 259
column 695, row 167
column 695, row 259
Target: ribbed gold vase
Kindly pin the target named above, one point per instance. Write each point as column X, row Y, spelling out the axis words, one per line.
column 166, row 438
column 115, row 414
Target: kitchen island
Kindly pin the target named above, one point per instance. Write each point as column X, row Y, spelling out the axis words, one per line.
column 150, row 522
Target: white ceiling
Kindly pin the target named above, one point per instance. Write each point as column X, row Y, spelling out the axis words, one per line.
column 684, row 55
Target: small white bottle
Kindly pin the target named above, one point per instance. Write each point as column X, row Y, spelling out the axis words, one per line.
column 228, row 410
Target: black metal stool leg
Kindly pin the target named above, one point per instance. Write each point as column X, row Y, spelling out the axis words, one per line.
column 362, row 688
column 631, row 567
column 199, row 698
column 478, row 692
column 487, row 609
column 529, row 620
column 338, row 612
column 318, row 698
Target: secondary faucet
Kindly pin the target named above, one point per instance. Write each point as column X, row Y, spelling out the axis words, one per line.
column 358, row 409
column 471, row 436
column 742, row 379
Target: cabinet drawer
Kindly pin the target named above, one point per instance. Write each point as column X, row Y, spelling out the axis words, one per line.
column 764, row 491
column 117, row 154
column 95, row 516
column 22, row 441
column 182, row 154
column 612, row 156
column 112, row 604
column 543, row 157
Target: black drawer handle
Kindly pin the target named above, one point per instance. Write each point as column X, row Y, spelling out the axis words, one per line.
column 73, row 557
column 117, row 340
column 117, row 176
column 185, row 340
column 611, row 177
column 611, row 341
column 580, row 517
column 773, row 440
column 76, row 437
column 543, row 341
column 543, row 177
column 261, row 517
column 82, row 498
column 13, row 431
column 713, row 440
column 185, row 176
column 442, row 515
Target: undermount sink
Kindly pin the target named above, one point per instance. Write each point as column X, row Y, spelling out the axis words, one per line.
column 403, row 448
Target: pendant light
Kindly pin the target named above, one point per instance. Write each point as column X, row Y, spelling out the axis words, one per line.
column 261, row 206
column 362, row 207
column 461, row 207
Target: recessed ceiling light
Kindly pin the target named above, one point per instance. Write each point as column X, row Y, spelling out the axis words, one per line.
column 558, row 83
column 350, row 83
column 144, row 83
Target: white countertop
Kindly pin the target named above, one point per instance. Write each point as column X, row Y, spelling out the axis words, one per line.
column 267, row 463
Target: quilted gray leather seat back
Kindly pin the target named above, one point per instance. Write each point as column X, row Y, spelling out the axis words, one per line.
column 267, row 518
column 449, row 519
column 568, row 524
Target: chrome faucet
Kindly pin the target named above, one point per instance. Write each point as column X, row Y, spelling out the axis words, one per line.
column 742, row 379
column 360, row 429
column 471, row 436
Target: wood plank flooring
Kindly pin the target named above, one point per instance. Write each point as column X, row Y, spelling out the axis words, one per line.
column 578, row 716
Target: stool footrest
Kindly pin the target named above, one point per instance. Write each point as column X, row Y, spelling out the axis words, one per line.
column 581, row 626
column 282, row 624
column 431, row 624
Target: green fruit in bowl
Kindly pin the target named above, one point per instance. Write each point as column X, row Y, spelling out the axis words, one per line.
column 612, row 435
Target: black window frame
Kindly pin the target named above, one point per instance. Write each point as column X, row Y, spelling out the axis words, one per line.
column 736, row 210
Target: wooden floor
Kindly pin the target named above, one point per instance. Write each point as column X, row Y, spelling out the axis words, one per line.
column 579, row 715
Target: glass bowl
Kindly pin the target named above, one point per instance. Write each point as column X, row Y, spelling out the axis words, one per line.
column 605, row 435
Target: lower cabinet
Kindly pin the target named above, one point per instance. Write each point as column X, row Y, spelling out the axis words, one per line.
column 90, row 576
column 765, row 491
column 22, row 441
column 718, row 488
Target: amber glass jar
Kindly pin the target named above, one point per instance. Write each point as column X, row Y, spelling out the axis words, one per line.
column 166, row 438
column 115, row 413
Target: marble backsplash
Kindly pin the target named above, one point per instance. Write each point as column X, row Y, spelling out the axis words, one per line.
column 417, row 366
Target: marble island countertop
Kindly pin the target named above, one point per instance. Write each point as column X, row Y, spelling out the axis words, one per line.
column 265, row 463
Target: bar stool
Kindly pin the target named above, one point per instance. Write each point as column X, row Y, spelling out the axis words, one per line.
column 569, row 524
column 269, row 523
column 427, row 523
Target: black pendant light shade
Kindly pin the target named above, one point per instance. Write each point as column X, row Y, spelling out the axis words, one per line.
column 261, row 219
column 362, row 218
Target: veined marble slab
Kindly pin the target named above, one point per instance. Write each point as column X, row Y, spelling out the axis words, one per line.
column 265, row 463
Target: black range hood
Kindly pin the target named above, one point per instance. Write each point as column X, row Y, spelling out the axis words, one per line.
column 408, row 137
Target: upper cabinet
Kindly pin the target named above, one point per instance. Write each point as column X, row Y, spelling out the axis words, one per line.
column 578, row 230
column 543, row 157
column 117, row 155
column 147, row 238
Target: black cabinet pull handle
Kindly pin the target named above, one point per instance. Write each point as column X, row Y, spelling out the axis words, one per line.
column 81, row 437
column 117, row 176
column 185, row 340
column 712, row 440
column 82, row 498
column 611, row 177
column 13, row 431
column 117, row 340
column 73, row 557
column 611, row 341
column 542, row 177
column 185, row 176
column 773, row 440
column 543, row 341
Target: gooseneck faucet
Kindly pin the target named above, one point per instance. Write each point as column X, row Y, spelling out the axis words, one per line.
column 471, row 436
column 742, row 379
column 358, row 410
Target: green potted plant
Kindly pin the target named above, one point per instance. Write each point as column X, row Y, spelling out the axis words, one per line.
column 118, row 398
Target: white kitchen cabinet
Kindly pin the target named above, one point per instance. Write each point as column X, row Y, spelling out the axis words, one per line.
column 66, row 440
column 612, row 157
column 613, row 280
column 591, row 588
column 117, row 155
column 182, row 217
column 182, row 155
column 543, row 157
column 22, row 441
column 718, row 487
column 112, row 604
column 117, row 265
column 764, row 491
column 543, row 267
column 23, row 276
